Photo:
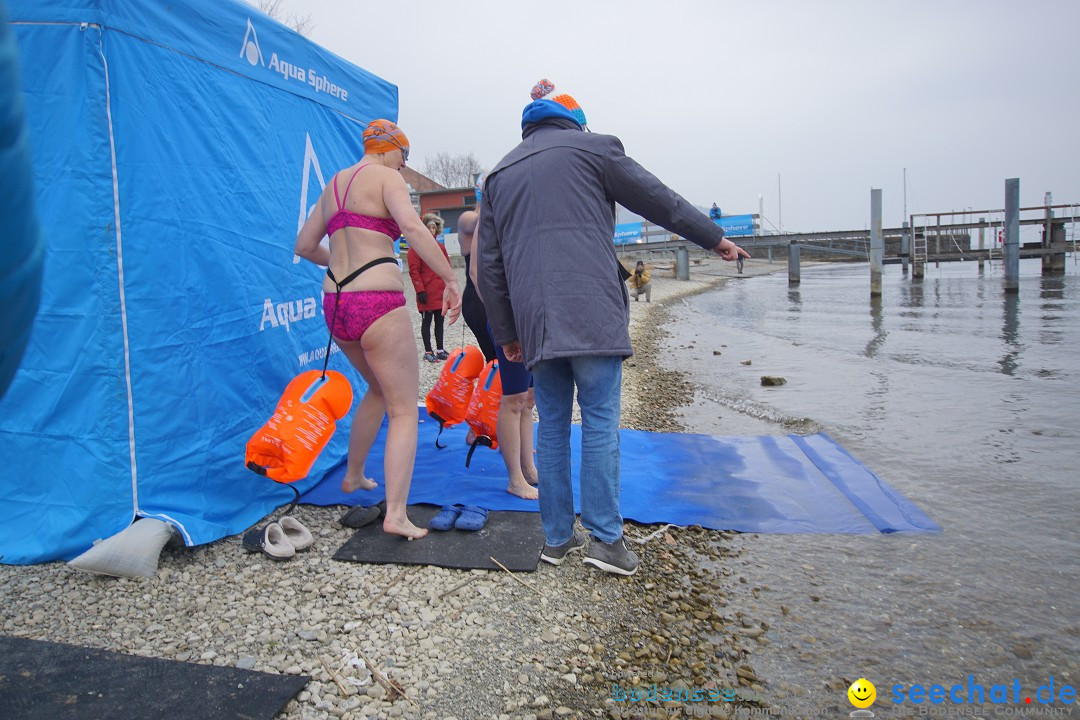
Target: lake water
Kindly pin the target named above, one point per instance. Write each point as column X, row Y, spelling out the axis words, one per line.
column 964, row 399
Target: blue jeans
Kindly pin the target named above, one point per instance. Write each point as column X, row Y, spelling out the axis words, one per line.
column 599, row 384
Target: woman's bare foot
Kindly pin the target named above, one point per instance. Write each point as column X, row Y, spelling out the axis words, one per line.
column 405, row 529
column 531, row 476
column 518, row 486
column 352, row 485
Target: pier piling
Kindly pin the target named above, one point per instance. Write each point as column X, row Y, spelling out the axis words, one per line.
column 793, row 264
column 877, row 243
column 682, row 264
column 1012, row 235
column 982, row 246
column 1053, row 239
column 905, row 247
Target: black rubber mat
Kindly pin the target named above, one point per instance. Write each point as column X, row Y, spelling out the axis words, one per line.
column 53, row 681
column 515, row 539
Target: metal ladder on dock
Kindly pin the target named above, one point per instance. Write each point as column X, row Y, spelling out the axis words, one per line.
column 919, row 253
column 996, row 251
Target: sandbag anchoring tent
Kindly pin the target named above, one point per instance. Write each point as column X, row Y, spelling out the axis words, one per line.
column 177, row 147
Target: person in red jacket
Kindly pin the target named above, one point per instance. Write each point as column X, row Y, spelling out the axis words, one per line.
column 429, row 291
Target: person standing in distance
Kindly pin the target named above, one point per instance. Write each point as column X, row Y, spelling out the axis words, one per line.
column 429, row 291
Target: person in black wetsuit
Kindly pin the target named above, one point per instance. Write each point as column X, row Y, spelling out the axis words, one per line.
column 472, row 309
column 515, row 423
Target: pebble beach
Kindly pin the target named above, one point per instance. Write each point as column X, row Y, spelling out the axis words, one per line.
column 384, row 641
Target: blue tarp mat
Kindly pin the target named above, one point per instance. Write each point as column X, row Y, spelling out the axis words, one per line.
column 177, row 146
column 768, row 484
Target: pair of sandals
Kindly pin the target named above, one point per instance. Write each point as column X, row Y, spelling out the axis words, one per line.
column 460, row 517
column 433, row 357
column 279, row 540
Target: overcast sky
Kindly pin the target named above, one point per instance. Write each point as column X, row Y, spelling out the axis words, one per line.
column 718, row 99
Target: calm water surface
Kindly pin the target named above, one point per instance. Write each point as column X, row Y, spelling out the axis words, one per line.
column 968, row 402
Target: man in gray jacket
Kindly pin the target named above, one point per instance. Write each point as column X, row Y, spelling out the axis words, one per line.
column 550, row 282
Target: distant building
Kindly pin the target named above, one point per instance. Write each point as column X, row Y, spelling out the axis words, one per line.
column 430, row 197
column 417, row 184
column 449, row 203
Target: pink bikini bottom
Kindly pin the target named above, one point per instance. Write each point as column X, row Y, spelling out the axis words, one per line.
column 356, row 311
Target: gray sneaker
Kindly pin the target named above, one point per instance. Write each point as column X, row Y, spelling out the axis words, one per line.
column 556, row 555
column 612, row 558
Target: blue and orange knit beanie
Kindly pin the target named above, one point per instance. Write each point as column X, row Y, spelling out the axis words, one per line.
column 545, row 90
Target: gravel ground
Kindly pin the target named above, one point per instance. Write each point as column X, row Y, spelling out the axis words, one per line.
column 452, row 644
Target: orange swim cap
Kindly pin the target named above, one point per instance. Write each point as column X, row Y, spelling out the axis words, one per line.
column 382, row 136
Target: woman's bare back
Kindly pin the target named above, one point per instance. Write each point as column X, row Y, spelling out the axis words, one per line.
column 353, row 247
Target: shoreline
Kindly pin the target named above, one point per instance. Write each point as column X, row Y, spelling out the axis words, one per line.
column 555, row 643
column 643, row 373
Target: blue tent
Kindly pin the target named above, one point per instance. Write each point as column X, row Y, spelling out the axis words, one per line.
column 177, row 147
column 22, row 248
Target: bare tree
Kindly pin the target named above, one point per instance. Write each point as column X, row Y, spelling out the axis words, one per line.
column 301, row 24
column 452, row 170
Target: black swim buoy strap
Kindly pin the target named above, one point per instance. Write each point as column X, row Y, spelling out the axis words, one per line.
column 333, row 324
column 260, row 470
column 442, row 424
column 480, row 440
column 337, row 299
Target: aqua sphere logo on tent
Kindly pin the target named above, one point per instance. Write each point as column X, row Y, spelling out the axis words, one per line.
column 251, row 51
column 285, row 313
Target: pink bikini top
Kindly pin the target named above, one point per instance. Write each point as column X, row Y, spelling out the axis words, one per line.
column 344, row 218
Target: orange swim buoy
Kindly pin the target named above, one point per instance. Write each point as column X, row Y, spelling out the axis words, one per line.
column 482, row 414
column 285, row 448
column 449, row 398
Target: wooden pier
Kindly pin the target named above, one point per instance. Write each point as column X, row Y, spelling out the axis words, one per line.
column 925, row 238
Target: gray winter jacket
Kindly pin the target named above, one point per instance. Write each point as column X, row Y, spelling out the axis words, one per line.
column 547, row 270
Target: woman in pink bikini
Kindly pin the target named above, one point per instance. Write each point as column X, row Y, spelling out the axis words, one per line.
column 363, row 211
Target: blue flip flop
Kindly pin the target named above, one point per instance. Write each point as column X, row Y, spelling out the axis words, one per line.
column 446, row 517
column 472, row 518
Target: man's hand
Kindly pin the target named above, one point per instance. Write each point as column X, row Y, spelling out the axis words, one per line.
column 513, row 352
column 728, row 250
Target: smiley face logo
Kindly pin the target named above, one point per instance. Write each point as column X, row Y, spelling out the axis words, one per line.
column 862, row 693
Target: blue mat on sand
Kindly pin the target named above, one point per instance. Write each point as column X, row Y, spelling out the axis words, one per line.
column 768, row 484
